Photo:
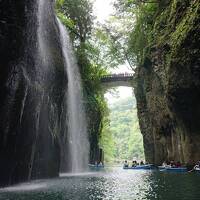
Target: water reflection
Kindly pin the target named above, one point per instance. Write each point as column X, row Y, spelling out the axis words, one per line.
column 24, row 187
column 114, row 184
column 120, row 185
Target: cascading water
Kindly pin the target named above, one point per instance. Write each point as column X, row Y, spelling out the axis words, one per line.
column 44, row 54
column 77, row 126
column 77, row 144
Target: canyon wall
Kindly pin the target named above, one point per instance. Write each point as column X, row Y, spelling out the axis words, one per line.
column 168, row 85
column 32, row 92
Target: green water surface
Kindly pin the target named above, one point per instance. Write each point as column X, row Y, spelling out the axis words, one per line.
column 109, row 184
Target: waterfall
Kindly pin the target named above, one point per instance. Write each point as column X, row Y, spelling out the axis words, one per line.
column 44, row 55
column 77, row 145
column 77, row 126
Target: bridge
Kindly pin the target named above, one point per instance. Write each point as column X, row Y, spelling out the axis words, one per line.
column 116, row 80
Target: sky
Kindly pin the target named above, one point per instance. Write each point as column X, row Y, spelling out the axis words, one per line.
column 103, row 9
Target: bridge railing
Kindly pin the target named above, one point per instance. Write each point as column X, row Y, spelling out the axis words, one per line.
column 122, row 76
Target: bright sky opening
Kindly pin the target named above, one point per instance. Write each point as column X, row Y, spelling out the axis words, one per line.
column 103, row 9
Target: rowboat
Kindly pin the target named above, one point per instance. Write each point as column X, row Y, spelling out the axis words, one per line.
column 172, row 169
column 149, row 166
column 95, row 166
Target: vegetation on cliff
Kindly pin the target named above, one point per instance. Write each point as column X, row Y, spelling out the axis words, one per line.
column 121, row 138
column 163, row 40
column 78, row 18
column 154, row 24
column 99, row 49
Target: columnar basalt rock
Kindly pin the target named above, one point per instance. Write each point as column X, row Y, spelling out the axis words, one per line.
column 168, row 86
column 32, row 103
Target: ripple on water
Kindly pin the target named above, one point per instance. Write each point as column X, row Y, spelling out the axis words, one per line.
column 109, row 185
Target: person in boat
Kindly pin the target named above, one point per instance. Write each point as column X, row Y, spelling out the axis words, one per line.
column 125, row 163
column 134, row 163
column 178, row 164
column 172, row 163
column 100, row 164
column 164, row 164
column 197, row 166
column 141, row 163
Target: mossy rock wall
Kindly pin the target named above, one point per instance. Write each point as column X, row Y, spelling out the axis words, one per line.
column 168, row 88
column 32, row 94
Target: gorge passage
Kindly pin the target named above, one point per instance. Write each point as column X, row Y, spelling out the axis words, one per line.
column 36, row 100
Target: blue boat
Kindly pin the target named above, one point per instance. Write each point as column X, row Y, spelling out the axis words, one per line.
column 95, row 166
column 161, row 167
column 172, row 169
column 149, row 166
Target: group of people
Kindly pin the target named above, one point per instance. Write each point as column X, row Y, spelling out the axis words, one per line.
column 178, row 164
column 197, row 166
column 133, row 164
column 99, row 164
column 172, row 163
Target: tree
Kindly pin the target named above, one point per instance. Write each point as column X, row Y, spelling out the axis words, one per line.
column 121, row 136
column 80, row 14
column 77, row 17
column 140, row 15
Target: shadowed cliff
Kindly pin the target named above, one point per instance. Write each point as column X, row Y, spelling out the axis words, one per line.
column 32, row 90
column 168, row 86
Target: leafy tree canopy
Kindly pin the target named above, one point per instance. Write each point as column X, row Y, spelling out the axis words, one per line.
column 77, row 15
column 121, row 138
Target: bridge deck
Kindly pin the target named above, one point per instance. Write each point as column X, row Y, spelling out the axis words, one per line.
column 117, row 77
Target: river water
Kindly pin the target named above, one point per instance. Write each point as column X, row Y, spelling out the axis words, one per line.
column 109, row 184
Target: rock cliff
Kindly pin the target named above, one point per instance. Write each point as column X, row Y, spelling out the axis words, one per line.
column 32, row 93
column 168, row 85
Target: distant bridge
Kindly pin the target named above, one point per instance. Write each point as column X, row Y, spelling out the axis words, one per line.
column 116, row 80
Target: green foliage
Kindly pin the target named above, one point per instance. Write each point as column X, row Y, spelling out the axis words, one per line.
column 114, row 39
column 156, row 23
column 66, row 21
column 107, row 142
column 106, row 49
column 127, row 35
column 97, row 50
column 80, row 13
column 173, row 26
column 140, row 36
column 77, row 17
column 121, row 137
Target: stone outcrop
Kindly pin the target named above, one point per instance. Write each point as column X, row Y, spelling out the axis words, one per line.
column 32, row 94
column 168, row 86
column 95, row 117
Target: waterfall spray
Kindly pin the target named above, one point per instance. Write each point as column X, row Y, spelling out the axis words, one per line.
column 77, row 126
column 78, row 145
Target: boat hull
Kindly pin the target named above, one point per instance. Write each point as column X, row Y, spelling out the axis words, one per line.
column 95, row 166
column 172, row 169
column 140, row 167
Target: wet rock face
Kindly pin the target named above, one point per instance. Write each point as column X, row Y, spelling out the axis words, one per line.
column 168, row 90
column 94, row 129
column 32, row 103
